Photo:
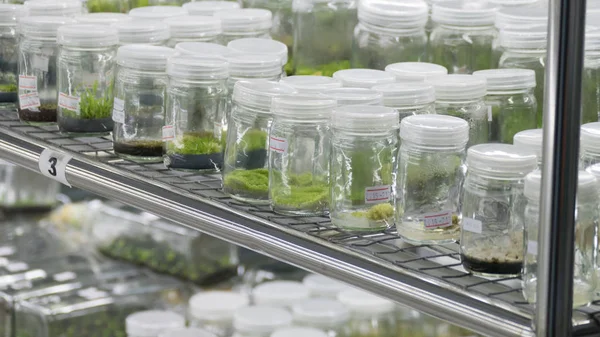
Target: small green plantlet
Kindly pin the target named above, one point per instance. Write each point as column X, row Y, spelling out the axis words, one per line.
column 380, row 212
column 300, row 192
column 91, row 106
column 254, row 139
column 195, row 143
column 248, row 182
column 10, row 87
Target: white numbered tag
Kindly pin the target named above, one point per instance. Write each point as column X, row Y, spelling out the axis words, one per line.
column 437, row 220
column 278, row 144
column 377, row 194
column 28, row 101
column 53, row 165
column 472, row 225
column 532, row 247
column 118, row 114
column 68, row 102
column 168, row 132
column 28, row 82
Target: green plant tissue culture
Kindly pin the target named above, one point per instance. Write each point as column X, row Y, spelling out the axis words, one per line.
column 195, row 143
column 507, row 121
column 300, row 192
column 425, row 178
column 92, row 105
column 253, row 183
column 106, row 6
column 591, row 95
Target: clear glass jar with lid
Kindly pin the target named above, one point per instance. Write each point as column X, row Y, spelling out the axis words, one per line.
column 586, row 222
column 253, row 45
column 214, row 310
column 280, row 294
column 589, row 151
column 430, row 176
column 86, row 77
column 208, row 7
column 323, row 31
column 152, row 323
column 321, row 286
column 491, row 237
column 512, row 3
column 103, row 18
column 156, row 13
column 22, row 189
column 299, row 332
column 462, row 37
column 532, row 140
column 590, row 103
column 192, row 28
column 463, row 96
column 408, row 98
column 415, row 71
column 206, row 49
column 282, row 29
column 9, row 15
column 389, row 32
column 68, row 8
column 38, row 50
column 354, row 96
column 363, row 78
column 195, row 108
column 139, row 107
column 143, row 32
column 511, row 102
column 187, row 332
column 326, row 314
column 245, row 172
column 245, row 22
column 260, row 321
column 310, row 84
column 363, row 167
column 370, row 315
column 299, row 145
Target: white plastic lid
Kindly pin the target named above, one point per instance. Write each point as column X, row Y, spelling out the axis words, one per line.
column 157, row 13
column 197, row 68
column 370, row 119
column 103, row 18
column 146, row 57
column 152, row 322
column 261, row 319
column 320, row 312
column 286, row 293
column 512, row 2
column 532, row 37
column 360, row 302
column 531, row 140
column 415, row 71
column 355, row 96
column 83, row 35
column 435, row 130
column 258, row 94
column 322, row 286
column 299, row 332
column 463, row 13
column 590, row 137
column 216, row 305
column 507, row 80
column 521, row 17
column 53, row 7
column 255, row 45
column 309, row 84
column 392, row 16
column 10, row 14
column 255, row 65
column 396, row 95
column 203, row 49
column 303, row 107
column 587, row 185
column 208, row 8
column 594, row 170
column 142, row 32
column 187, row 332
column 509, row 161
column 193, row 26
column 363, row 78
column 245, row 20
column 43, row 26
column 457, row 87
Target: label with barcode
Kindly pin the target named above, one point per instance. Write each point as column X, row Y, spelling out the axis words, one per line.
column 15, row 267
column 472, row 225
column 28, row 82
column 40, row 62
column 168, row 132
column 532, row 247
column 30, row 100
column 118, row 114
column 437, row 220
column 278, row 144
column 378, row 194
column 68, row 102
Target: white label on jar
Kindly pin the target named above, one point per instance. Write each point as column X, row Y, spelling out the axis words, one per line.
column 53, row 165
column 40, row 62
column 532, row 247
column 118, row 114
column 378, row 194
column 489, row 112
column 15, row 267
column 278, row 144
column 28, row 82
column 30, row 100
column 68, row 102
column 168, row 132
column 437, row 220
column 472, row 225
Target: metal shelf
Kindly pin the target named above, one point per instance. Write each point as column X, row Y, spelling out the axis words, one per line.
column 427, row 278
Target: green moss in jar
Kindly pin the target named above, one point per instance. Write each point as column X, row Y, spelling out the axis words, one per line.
column 300, row 192
column 250, row 183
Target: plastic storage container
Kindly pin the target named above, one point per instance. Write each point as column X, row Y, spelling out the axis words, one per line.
column 299, row 146
column 24, row 190
column 415, row 71
column 282, row 28
column 103, row 18
column 389, row 32
column 510, row 101
column 68, row 8
column 196, row 103
column 143, row 32
column 203, row 49
column 355, row 96
column 193, row 28
column 214, row 310
column 589, row 151
column 245, row 22
column 430, row 176
column 591, row 78
column 323, row 287
column 38, row 94
column 281, row 294
column 208, row 8
column 139, row 107
column 152, row 323
column 157, row 13
column 408, row 98
column 363, row 78
column 260, row 46
column 325, row 314
column 308, row 84
column 362, row 170
column 491, row 240
column 370, row 315
column 532, row 140
column 323, row 34
column 260, row 321
column 299, row 332
column 9, row 15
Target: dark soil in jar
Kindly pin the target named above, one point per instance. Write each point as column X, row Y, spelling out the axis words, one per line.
column 252, row 159
column 26, row 209
column 46, row 114
column 10, row 97
column 140, row 148
column 491, row 266
column 210, row 161
column 80, row 125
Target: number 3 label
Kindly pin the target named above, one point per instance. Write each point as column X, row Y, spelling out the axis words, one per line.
column 53, row 165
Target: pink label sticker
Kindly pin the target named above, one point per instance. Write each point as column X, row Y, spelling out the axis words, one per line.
column 68, row 102
column 31, row 100
column 168, row 132
column 378, row 194
column 437, row 220
column 28, row 82
column 278, row 144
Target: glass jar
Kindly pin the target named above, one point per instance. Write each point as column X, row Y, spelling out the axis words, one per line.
column 103, row 18
column 525, row 48
column 107, row 6
column 299, row 145
column 389, row 32
column 156, row 13
column 491, row 237
column 363, row 167
column 415, row 71
column 189, row 28
column 310, row 84
column 589, row 152
column 363, row 78
column 299, row 332
column 214, row 310
column 139, row 107
column 462, row 37
column 9, row 14
column 320, row 286
column 86, row 76
column 22, row 189
column 260, row 46
column 208, row 8
column 187, row 332
column 463, row 96
column 370, row 315
column 323, row 31
column 196, row 102
column 280, row 294
column 38, row 96
column 586, row 222
column 152, row 323
column 68, row 8
column 326, row 314
column 408, row 98
column 512, row 3
column 354, row 96
column 206, row 49
column 590, row 102
column 245, row 22
column 260, row 321
column 245, row 173
column 143, row 32
column 510, row 101
column 531, row 140
column 430, row 177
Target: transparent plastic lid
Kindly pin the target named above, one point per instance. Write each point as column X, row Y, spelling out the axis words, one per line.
column 369, row 119
column 354, row 96
column 435, row 130
column 397, row 95
column 587, row 185
column 208, row 8
column 299, row 332
column 193, row 26
column 53, row 7
column 152, row 322
column 286, row 293
column 320, row 312
column 203, row 49
column 10, row 14
column 521, row 17
column 309, row 84
column 142, row 32
column 415, row 71
column 393, row 15
column 590, row 137
column 531, row 140
column 363, row 78
column 43, row 26
column 144, row 57
column 103, row 18
column 464, row 13
column 308, row 107
column 507, row 80
column 216, row 305
column 254, row 65
column 260, row 46
column 322, row 286
column 85, row 35
column 459, row 87
column 506, row 160
column 197, row 68
column 532, row 37
column 360, row 302
column 157, row 13
column 260, row 319
column 187, row 332
column 258, row 94
column 245, row 20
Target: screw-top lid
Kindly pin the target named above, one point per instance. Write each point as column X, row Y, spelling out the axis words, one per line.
column 463, row 13
column 507, row 80
column 299, row 332
column 532, row 140
column 187, row 332
column 532, row 37
column 321, row 286
column 435, row 130
column 152, row 322
column 83, row 35
column 43, row 26
column 309, row 84
column 355, row 96
column 301, row 107
column 53, row 7
column 415, row 71
column 369, row 119
column 255, row 45
column 321, row 312
column 457, row 87
column 209, row 8
column 396, row 95
column 190, row 26
column 103, row 18
column 363, row 78
column 587, row 185
column 142, row 32
column 360, row 302
column 265, row 66
column 244, row 20
column 216, row 305
column 157, row 13
column 505, row 160
column 10, row 14
column 512, row 2
column 590, row 137
column 144, row 57
column 203, row 49
column 393, row 16
column 258, row 94
column 197, row 68
column 286, row 293
column 521, row 17
column 261, row 319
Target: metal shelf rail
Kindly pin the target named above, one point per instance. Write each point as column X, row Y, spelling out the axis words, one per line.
column 428, row 278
